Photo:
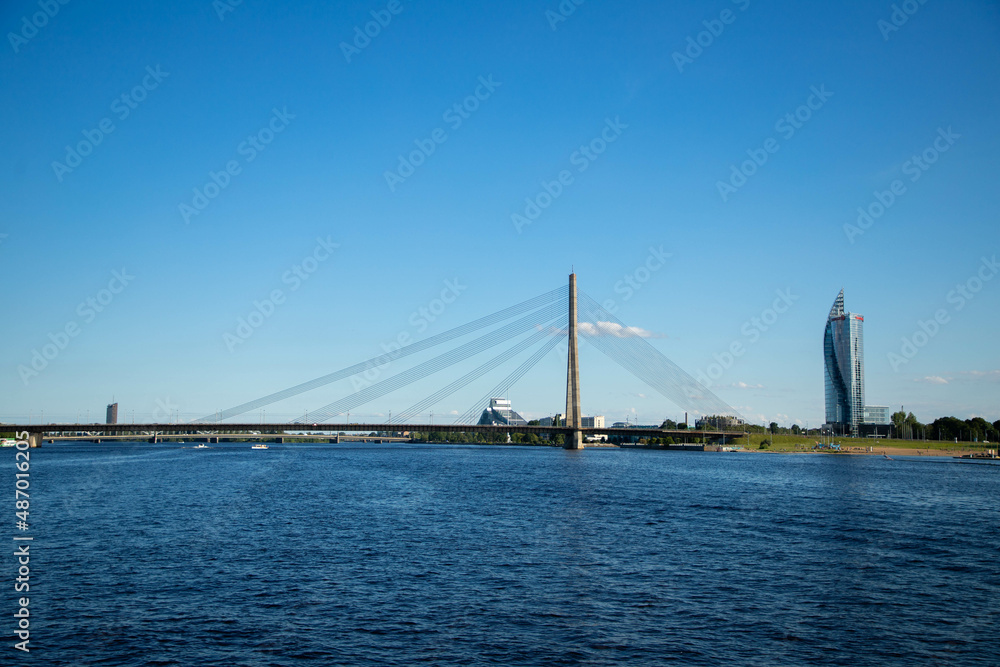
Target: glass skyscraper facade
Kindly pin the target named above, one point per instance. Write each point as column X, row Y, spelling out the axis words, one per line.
column 844, row 368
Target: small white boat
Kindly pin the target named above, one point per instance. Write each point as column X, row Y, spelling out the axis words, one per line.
column 259, row 446
column 8, row 442
column 201, row 446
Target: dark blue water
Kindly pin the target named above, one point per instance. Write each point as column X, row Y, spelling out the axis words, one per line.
column 445, row 555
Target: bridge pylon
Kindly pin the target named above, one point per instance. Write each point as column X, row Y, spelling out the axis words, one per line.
column 574, row 438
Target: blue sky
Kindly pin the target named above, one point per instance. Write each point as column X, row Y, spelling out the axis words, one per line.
column 198, row 86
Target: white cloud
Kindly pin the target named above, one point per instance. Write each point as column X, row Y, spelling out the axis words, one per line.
column 744, row 385
column 616, row 330
column 961, row 376
column 985, row 375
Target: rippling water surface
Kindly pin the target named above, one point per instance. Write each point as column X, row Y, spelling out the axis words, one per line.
column 447, row 555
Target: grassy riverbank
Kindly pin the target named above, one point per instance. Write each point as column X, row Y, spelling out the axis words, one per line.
column 798, row 443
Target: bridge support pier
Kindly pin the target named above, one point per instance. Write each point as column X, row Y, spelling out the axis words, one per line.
column 34, row 440
column 574, row 438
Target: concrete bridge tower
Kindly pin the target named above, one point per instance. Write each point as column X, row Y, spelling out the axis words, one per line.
column 574, row 438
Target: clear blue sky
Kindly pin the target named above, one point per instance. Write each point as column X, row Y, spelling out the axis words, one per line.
column 678, row 128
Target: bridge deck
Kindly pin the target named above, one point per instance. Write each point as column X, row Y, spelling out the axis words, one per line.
column 333, row 429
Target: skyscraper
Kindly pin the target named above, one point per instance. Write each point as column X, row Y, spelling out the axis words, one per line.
column 112, row 414
column 844, row 368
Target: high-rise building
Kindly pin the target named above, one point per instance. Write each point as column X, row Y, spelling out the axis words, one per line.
column 844, row 368
column 112, row 414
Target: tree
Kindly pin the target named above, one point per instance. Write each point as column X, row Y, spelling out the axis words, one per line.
column 979, row 428
column 668, row 424
column 773, row 427
column 898, row 420
column 948, row 428
column 795, row 429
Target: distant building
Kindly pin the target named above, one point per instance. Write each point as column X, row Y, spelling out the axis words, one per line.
column 112, row 414
column 844, row 369
column 500, row 413
column 551, row 421
column 719, row 422
column 876, row 423
column 876, row 414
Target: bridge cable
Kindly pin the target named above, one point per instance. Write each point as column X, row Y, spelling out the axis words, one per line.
column 434, row 365
column 648, row 364
column 477, row 373
column 500, row 389
column 379, row 389
column 381, row 360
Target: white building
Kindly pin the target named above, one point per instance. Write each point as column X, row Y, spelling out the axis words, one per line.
column 500, row 413
column 876, row 414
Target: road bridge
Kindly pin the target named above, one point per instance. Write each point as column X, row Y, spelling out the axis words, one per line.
column 542, row 318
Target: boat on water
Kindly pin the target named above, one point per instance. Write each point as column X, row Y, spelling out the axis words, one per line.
column 201, row 446
column 8, row 442
column 259, row 446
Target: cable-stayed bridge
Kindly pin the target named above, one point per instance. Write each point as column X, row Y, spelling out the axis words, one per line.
column 543, row 322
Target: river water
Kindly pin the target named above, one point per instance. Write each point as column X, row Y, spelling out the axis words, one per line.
column 452, row 555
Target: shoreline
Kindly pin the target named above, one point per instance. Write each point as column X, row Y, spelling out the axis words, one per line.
column 880, row 451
